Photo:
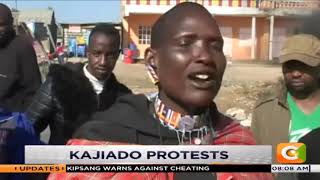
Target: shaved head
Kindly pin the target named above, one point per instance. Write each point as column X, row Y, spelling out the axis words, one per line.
column 5, row 14
column 186, row 41
column 167, row 22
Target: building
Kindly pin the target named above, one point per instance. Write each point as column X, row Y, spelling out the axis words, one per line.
column 41, row 23
column 252, row 29
column 75, row 36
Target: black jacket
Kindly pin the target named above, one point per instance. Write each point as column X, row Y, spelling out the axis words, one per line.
column 67, row 99
column 131, row 120
column 19, row 74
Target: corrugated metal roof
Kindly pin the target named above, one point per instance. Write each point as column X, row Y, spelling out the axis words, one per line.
column 37, row 15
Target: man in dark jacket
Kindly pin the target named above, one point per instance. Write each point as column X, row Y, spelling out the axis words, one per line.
column 19, row 73
column 295, row 111
column 73, row 92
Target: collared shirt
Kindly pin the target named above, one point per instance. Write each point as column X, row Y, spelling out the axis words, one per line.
column 97, row 84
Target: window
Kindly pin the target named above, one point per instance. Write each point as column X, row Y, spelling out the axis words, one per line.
column 144, row 34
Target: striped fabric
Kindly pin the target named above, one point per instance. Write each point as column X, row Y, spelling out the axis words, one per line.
column 229, row 3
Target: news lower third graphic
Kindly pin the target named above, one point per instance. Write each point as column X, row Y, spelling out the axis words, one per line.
column 105, row 168
column 140, row 158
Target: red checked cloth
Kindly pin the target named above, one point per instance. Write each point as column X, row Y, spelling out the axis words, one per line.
column 232, row 134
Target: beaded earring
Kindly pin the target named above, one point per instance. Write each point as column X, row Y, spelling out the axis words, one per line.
column 152, row 74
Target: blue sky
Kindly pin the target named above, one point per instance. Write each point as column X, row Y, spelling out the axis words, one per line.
column 73, row 11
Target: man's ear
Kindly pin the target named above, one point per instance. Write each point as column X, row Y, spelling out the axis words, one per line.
column 150, row 58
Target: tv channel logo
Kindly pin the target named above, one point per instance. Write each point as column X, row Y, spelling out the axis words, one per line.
column 288, row 153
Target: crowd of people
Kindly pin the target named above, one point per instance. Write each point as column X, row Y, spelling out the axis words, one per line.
column 84, row 104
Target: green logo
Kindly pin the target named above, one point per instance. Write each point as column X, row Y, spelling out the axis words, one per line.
column 301, row 152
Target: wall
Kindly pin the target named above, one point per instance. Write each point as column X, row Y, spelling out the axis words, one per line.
column 241, row 28
column 40, row 33
column 240, row 36
column 241, row 49
column 134, row 21
column 125, row 33
column 283, row 27
column 262, row 48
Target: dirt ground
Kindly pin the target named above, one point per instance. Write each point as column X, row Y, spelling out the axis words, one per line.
column 242, row 85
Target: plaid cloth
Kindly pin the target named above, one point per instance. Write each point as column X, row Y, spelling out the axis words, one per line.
column 231, row 134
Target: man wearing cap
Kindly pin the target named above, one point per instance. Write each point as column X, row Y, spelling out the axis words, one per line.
column 295, row 111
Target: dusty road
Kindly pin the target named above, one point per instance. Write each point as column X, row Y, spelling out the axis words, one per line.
column 135, row 76
column 240, row 88
column 241, row 85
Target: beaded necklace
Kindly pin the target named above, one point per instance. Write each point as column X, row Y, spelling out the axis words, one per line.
column 195, row 129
